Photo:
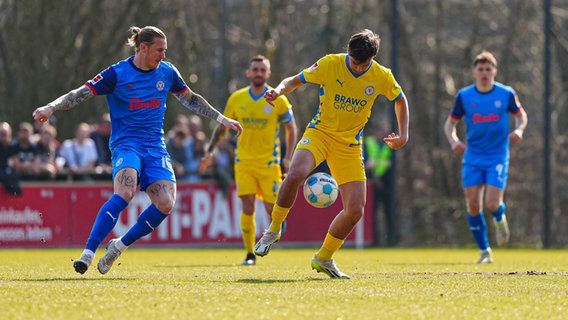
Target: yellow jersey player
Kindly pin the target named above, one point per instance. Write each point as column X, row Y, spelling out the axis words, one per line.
column 348, row 86
column 258, row 160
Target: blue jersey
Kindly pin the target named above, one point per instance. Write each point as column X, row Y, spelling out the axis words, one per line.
column 486, row 117
column 137, row 101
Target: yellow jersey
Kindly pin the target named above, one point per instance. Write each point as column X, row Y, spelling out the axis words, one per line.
column 259, row 144
column 346, row 98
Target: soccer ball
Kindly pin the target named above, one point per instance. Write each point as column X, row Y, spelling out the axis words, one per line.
column 320, row 190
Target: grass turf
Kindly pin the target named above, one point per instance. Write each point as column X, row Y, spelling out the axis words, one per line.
column 210, row 284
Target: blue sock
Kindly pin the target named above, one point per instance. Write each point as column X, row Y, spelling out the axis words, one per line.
column 105, row 221
column 500, row 212
column 148, row 220
column 478, row 229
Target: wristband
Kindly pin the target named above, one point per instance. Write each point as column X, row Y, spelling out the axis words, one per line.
column 220, row 118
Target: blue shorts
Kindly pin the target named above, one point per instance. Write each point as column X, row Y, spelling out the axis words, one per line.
column 152, row 164
column 493, row 174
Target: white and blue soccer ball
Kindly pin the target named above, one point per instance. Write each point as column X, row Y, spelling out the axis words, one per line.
column 320, row 190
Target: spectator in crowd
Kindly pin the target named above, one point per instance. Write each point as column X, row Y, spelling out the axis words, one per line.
column 80, row 153
column 195, row 125
column 178, row 148
column 8, row 176
column 101, row 138
column 197, row 152
column 378, row 156
column 181, row 123
column 47, row 152
column 25, row 152
column 223, row 159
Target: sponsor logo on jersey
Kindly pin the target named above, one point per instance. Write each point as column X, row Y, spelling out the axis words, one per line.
column 369, row 90
column 254, row 123
column 478, row 118
column 349, row 104
column 160, row 85
column 136, row 104
column 97, row 78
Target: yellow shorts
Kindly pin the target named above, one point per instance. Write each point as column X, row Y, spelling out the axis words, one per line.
column 345, row 162
column 263, row 182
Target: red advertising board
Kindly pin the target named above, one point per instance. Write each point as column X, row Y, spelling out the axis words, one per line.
column 62, row 216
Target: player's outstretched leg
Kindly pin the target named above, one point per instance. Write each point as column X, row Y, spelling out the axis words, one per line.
column 486, row 256
column 502, row 233
column 263, row 245
column 328, row 267
column 112, row 254
column 82, row 264
column 250, row 260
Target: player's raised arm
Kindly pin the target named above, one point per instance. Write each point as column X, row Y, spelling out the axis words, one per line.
column 198, row 104
column 285, row 86
column 65, row 102
column 401, row 109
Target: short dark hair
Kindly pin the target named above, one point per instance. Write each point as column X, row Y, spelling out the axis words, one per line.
column 485, row 57
column 363, row 45
column 260, row 58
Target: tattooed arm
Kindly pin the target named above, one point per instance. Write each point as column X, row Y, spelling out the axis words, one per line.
column 198, row 104
column 65, row 102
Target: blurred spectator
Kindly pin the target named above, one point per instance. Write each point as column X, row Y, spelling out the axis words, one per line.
column 25, row 152
column 101, row 138
column 8, row 176
column 181, row 123
column 223, row 159
column 178, row 148
column 38, row 126
column 378, row 160
column 80, row 153
column 47, row 152
column 197, row 152
column 195, row 125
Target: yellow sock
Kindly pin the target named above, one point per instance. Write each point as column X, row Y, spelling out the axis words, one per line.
column 279, row 214
column 248, row 229
column 330, row 245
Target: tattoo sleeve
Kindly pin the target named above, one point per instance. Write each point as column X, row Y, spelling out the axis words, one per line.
column 197, row 104
column 72, row 98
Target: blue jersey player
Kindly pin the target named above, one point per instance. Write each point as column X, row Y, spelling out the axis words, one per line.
column 136, row 90
column 485, row 107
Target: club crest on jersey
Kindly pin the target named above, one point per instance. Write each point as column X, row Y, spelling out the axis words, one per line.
column 160, row 85
column 315, row 65
column 369, row 90
column 304, row 141
column 268, row 109
column 498, row 104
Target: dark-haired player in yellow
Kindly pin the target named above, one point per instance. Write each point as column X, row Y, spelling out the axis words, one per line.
column 349, row 84
column 257, row 156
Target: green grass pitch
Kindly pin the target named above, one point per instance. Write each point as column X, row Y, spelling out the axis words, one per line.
column 210, row 284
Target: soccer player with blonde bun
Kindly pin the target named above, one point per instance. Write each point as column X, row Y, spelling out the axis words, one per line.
column 136, row 89
column 485, row 107
column 348, row 83
column 257, row 156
